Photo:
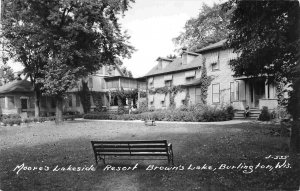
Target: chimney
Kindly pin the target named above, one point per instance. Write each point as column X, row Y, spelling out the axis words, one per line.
column 187, row 56
column 163, row 62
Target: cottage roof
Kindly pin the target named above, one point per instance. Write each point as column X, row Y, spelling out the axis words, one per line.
column 16, row 86
column 175, row 66
column 212, row 46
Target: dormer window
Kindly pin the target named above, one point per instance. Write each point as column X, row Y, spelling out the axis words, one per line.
column 215, row 66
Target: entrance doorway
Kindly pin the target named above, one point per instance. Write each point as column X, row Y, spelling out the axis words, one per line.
column 257, row 92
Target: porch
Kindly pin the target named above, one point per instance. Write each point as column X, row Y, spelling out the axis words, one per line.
column 254, row 92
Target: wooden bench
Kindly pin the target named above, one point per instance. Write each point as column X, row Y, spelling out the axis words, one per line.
column 159, row 149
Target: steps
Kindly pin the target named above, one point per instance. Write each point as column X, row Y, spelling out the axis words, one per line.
column 254, row 114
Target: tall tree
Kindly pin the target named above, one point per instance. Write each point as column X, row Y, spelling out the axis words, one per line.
column 209, row 26
column 71, row 38
column 266, row 35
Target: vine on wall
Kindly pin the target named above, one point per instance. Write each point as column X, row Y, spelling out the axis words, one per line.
column 172, row 91
column 122, row 95
column 205, row 82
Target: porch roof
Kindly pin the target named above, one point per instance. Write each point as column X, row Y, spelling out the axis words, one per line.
column 20, row 86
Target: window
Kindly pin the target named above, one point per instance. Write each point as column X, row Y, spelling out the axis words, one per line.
column 198, row 95
column 70, row 101
column 190, row 79
column 231, row 91
column 163, row 103
column 151, row 82
column 31, row 102
column 215, row 66
column 77, row 101
column 216, row 93
column 53, row 102
column 2, row 102
column 43, row 102
column 11, row 102
column 168, row 83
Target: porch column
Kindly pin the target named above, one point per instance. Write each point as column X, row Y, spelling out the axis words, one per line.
column 266, row 89
column 109, row 99
column 138, row 99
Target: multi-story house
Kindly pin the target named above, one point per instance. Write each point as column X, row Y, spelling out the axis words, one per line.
column 18, row 97
column 255, row 92
column 224, row 88
column 184, row 71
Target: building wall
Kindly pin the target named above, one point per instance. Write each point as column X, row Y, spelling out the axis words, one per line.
column 222, row 75
column 178, row 78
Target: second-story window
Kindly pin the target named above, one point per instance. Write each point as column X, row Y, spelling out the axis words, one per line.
column 168, row 83
column 168, row 80
column 190, row 79
column 215, row 66
column 151, row 82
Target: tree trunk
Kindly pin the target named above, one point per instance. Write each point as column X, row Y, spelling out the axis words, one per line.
column 59, row 110
column 37, row 104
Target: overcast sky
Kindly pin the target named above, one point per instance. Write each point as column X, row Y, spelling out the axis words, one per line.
column 152, row 24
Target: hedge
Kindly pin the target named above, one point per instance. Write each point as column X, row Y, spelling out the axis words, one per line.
column 195, row 113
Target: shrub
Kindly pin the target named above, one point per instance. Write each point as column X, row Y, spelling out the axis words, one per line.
column 12, row 121
column 264, row 115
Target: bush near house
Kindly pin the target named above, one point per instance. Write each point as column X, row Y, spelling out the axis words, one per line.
column 194, row 113
column 265, row 114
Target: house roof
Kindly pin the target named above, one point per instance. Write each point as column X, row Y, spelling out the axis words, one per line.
column 16, row 86
column 175, row 66
column 212, row 46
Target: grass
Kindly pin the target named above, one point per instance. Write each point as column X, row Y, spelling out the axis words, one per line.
column 214, row 144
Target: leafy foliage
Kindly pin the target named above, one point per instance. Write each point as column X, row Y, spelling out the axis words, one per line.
column 7, row 73
column 66, row 39
column 208, row 27
column 264, row 35
column 126, row 72
column 205, row 82
column 84, row 95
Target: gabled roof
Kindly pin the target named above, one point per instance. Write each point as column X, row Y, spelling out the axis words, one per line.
column 212, row 46
column 20, row 86
column 175, row 66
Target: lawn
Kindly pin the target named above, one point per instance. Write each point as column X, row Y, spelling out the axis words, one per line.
column 217, row 145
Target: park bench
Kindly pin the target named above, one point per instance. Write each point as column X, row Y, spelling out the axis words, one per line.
column 158, row 150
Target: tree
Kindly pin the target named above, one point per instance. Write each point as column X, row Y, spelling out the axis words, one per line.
column 171, row 56
column 7, row 73
column 266, row 35
column 208, row 27
column 126, row 72
column 72, row 39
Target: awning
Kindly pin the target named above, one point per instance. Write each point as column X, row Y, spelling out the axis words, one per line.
column 151, row 80
column 190, row 74
column 168, row 77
